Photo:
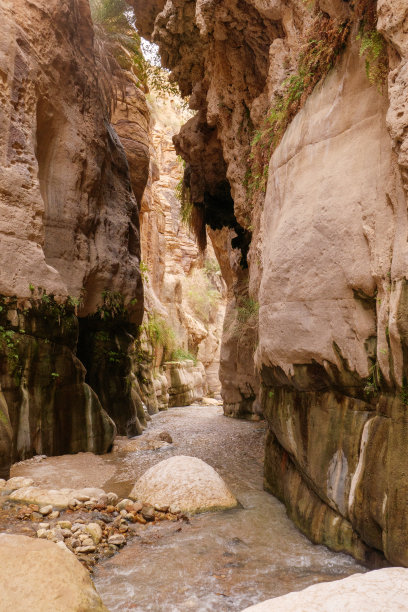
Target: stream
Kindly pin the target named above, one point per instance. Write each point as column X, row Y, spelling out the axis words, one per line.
column 218, row 561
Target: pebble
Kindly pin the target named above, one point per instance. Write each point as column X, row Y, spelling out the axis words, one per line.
column 55, row 514
column 95, row 531
column 88, row 542
column 122, row 504
column 102, row 517
column 86, row 549
column 36, row 515
column 103, row 500
column 65, row 524
column 76, row 527
column 42, row 533
column 112, row 498
column 66, row 533
column 148, row 513
column 83, row 498
column 2, row 483
column 117, row 539
column 46, row 510
column 44, row 526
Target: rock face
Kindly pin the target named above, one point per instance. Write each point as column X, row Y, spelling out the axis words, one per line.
column 185, row 382
column 26, row 584
column 184, row 290
column 69, row 229
column 326, row 287
column 385, row 589
column 185, row 484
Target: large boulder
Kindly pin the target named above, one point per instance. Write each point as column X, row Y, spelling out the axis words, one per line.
column 38, row 575
column 385, row 589
column 184, row 484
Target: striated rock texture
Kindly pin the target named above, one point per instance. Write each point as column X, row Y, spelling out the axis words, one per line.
column 69, row 227
column 185, row 293
column 327, row 258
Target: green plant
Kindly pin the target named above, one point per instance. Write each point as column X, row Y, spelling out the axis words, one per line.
column 374, row 50
column 211, row 266
column 113, row 305
column 372, row 386
column 181, row 354
column 404, row 394
column 247, row 309
column 323, row 43
column 118, row 50
column 54, row 375
column 144, row 272
column 159, row 332
column 202, row 296
column 9, row 346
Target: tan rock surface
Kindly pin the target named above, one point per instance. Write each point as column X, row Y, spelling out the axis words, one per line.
column 327, row 260
column 60, row 162
column 57, row 498
column 186, row 484
column 38, row 575
column 377, row 591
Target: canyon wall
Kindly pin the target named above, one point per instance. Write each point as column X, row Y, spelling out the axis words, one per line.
column 184, row 290
column 70, row 285
column 312, row 246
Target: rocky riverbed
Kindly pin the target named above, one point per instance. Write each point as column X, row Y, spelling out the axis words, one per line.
column 149, row 559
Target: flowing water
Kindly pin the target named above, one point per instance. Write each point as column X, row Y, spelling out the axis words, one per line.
column 219, row 561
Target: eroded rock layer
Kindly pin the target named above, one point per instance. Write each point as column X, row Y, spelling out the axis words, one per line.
column 326, row 285
column 69, row 234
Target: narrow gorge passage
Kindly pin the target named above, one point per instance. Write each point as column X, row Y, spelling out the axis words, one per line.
column 218, row 561
column 203, row 305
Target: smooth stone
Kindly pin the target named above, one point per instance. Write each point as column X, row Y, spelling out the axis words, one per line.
column 25, row 583
column 65, row 524
column 187, row 484
column 58, row 498
column 46, row 510
column 117, row 539
column 86, row 549
column 378, row 591
column 18, row 482
column 95, row 532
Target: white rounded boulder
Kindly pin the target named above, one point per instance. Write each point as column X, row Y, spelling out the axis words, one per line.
column 38, row 575
column 184, row 484
column 384, row 590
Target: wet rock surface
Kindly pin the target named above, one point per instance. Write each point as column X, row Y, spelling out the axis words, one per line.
column 217, row 561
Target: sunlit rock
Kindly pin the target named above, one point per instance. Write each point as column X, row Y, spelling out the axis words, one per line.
column 185, row 484
column 39, row 575
column 385, row 589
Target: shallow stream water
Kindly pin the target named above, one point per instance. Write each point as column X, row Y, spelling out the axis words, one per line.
column 219, row 561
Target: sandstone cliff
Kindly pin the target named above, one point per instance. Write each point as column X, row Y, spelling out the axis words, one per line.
column 184, row 290
column 318, row 190
column 69, row 239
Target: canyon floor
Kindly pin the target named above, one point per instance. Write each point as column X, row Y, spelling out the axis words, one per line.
column 217, row 561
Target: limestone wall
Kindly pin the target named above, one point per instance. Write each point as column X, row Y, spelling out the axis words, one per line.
column 325, row 289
